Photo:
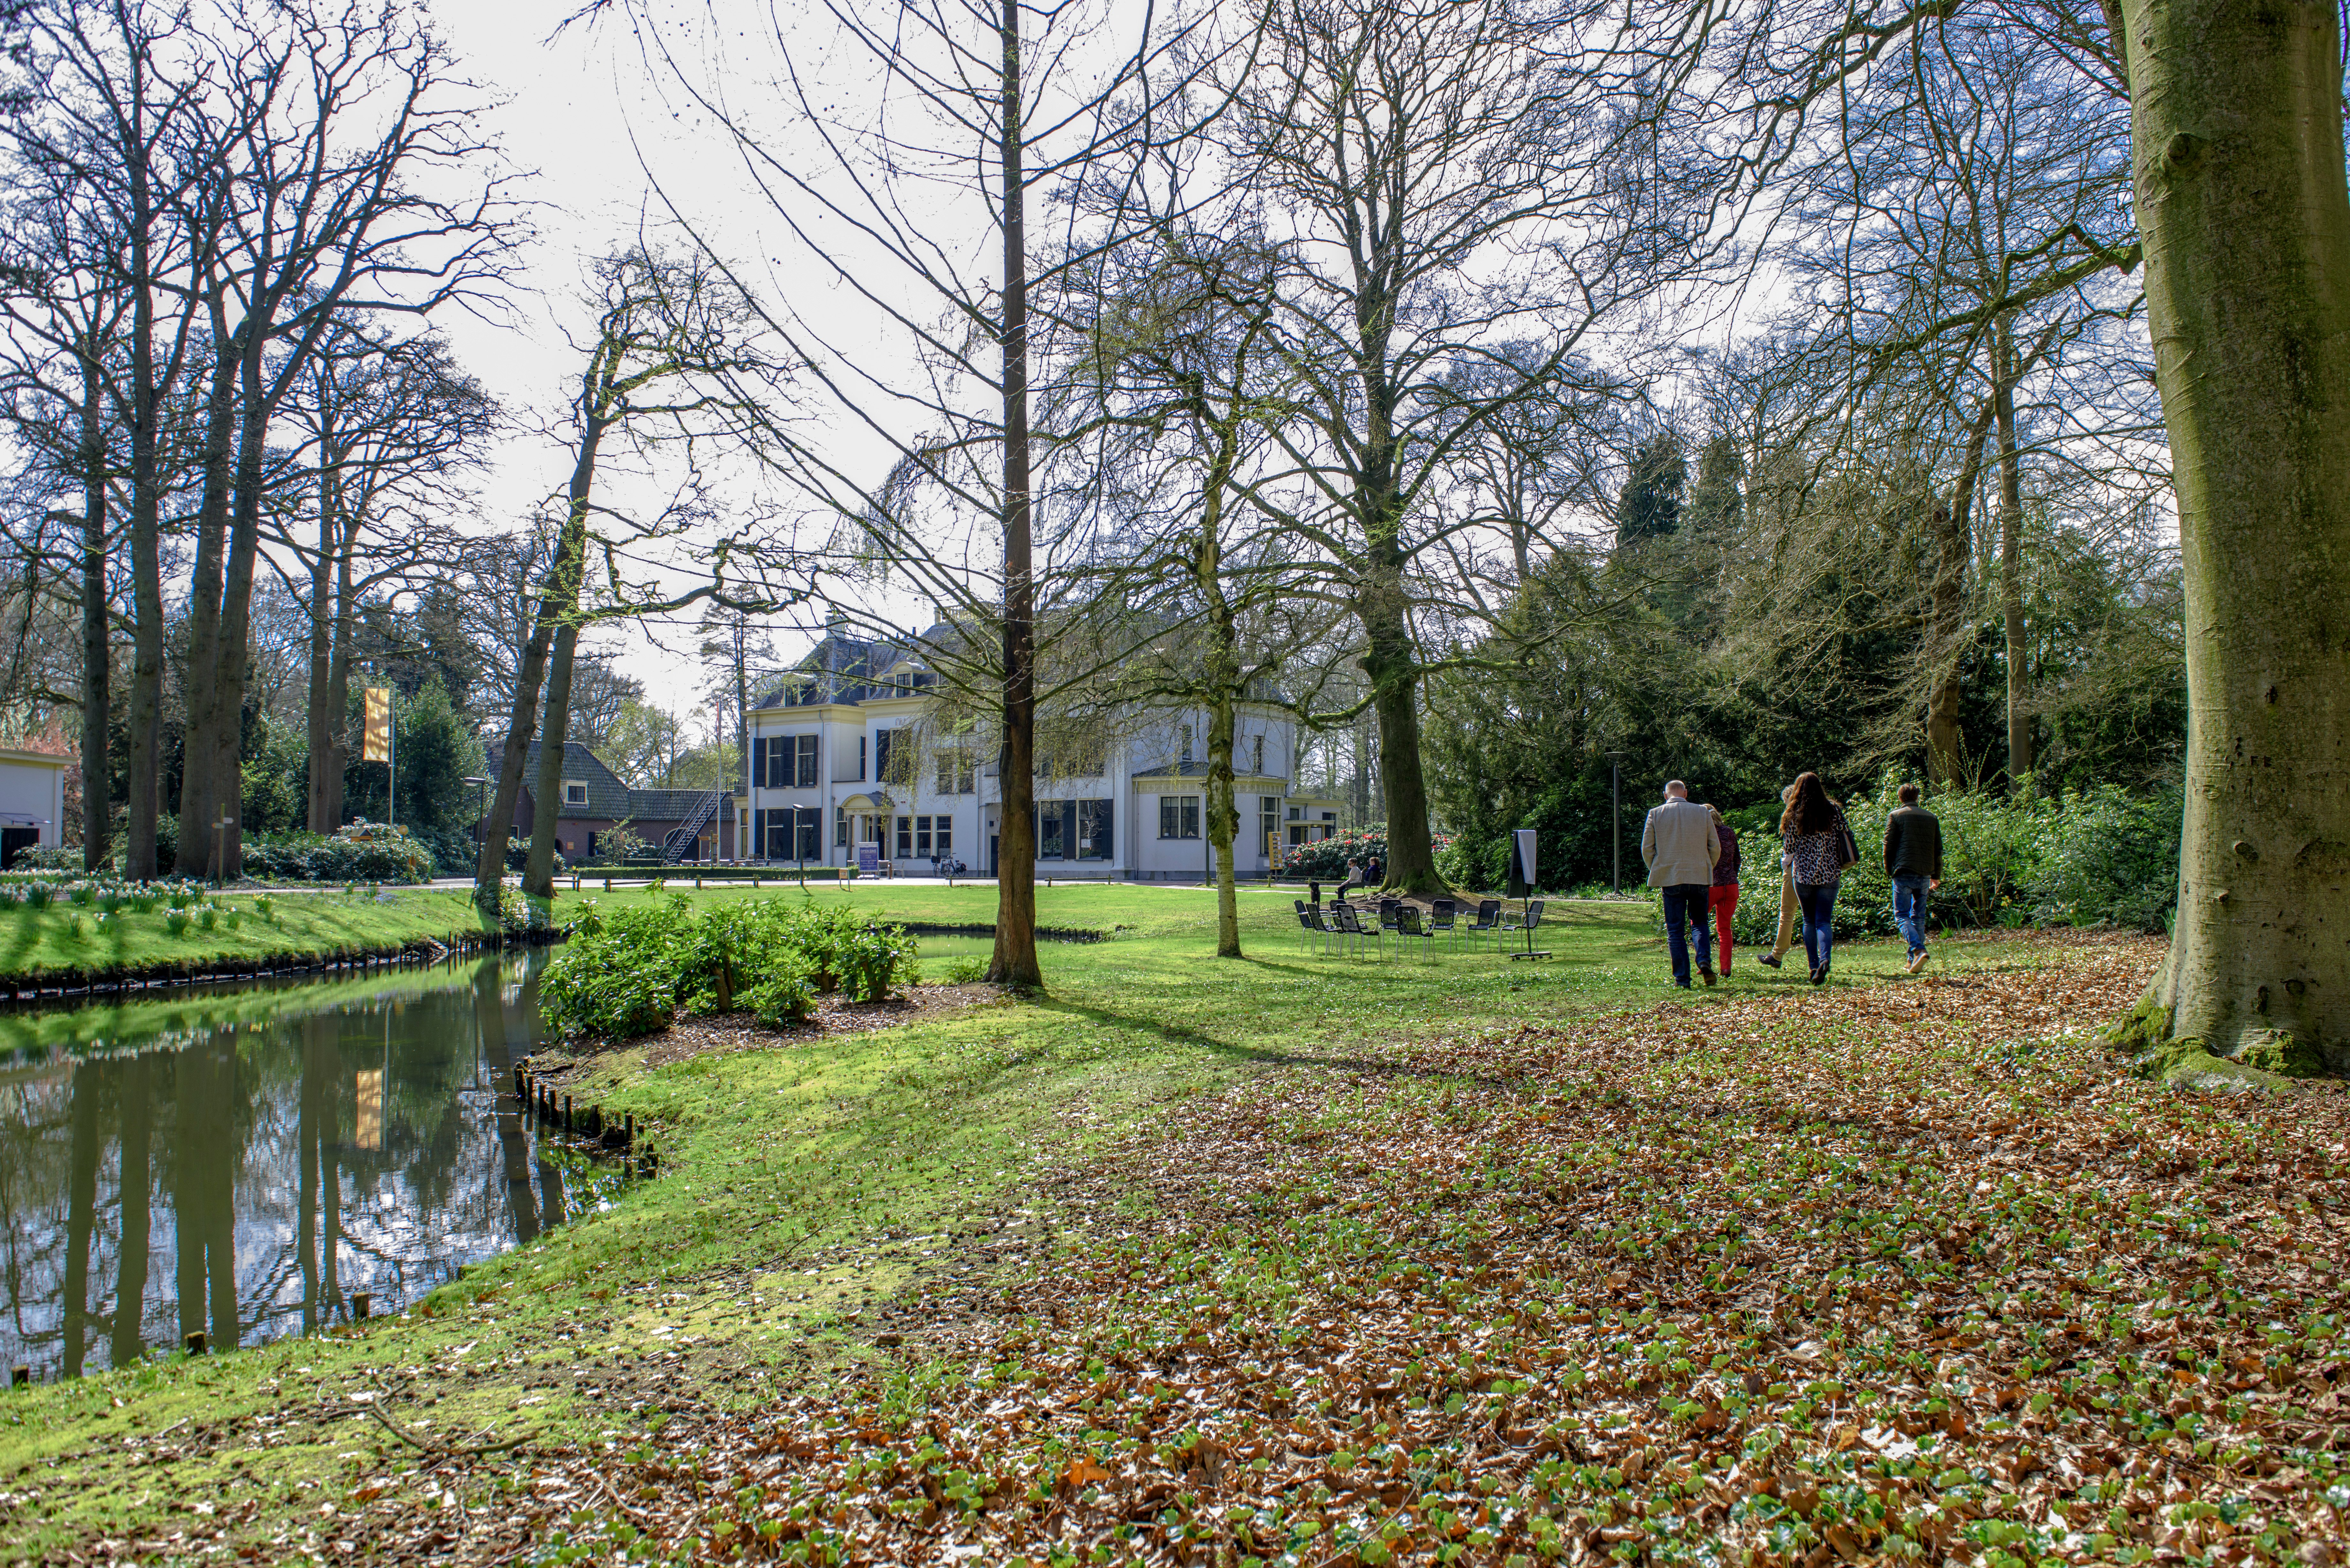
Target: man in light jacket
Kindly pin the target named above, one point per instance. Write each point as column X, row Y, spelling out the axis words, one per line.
column 1680, row 847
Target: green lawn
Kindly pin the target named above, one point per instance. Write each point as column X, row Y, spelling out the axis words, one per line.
column 70, row 941
column 802, row 1186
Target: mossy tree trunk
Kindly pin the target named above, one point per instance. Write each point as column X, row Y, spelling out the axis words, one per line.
column 2237, row 148
column 1015, row 962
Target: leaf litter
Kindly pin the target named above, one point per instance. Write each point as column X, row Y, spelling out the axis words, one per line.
column 1903, row 1273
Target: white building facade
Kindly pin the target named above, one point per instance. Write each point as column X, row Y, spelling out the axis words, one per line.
column 850, row 765
column 32, row 800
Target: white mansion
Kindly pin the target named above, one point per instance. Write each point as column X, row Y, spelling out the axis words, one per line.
column 844, row 751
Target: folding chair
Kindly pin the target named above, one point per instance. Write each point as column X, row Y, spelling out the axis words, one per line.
column 1307, row 927
column 1351, row 925
column 1388, row 907
column 1443, row 922
column 1487, row 922
column 1407, row 926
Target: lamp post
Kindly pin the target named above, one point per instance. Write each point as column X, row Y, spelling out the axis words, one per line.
column 1616, row 819
column 481, row 809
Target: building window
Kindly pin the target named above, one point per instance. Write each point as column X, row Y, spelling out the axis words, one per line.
column 1052, row 830
column 958, row 772
column 1256, row 748
column 840, row 826
column 803, row 762
column 885, row 752
column 1178, row 817
column 574, row 793
column 810, row 833
column 1093, row 830
column 905, row 838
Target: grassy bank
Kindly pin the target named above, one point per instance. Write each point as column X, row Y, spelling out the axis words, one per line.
column 807, row 1187
column 67, row 944
column 963, row 1271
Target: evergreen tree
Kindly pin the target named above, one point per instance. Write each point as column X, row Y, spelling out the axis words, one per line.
column 1719, row 500
column 1649, row 507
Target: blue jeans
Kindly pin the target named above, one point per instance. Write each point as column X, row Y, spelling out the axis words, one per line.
column 1818, row 900
column 1909, row 910
column 1687, row 903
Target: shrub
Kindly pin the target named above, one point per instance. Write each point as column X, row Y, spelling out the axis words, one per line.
column 363, row 851
column 610, row 986
column 875, row 959
column 2102, row 857
column 628, row 973
column 1325, row 860
column 966, row 971
column 47, row 857
column 787, row 995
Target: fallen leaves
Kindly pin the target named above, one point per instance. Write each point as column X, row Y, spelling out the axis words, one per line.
column 1854, row 1274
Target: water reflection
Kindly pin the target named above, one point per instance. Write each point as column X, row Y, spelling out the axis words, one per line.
column 246, row 1176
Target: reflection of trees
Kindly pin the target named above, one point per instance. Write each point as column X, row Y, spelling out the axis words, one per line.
column 270, row 1215
column 131, row 1182
column 492, row 1016
column 81, row 1200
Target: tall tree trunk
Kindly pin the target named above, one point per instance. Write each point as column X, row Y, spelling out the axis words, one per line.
column 539, row 873
column 130, row 1271
column 2010, row 560
column 199, row 685
column 2236, row 140
column 327, row 716
column 1223, row 683
column 530, row 674
column 144, row 765
column 1223, row 819
column 1015, row 962
column 96, row 783
column 211, row 806
column 1951, row 627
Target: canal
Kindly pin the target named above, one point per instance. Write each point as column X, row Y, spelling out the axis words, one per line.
column 245, row 1163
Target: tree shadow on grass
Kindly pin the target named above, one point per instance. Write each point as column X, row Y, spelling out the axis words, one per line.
column 1233, row 1050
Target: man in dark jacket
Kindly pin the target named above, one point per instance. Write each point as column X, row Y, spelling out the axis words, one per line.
column 1913, row 859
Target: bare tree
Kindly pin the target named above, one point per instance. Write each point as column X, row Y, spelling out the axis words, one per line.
column 347, row 134
column 669, row 339
column 126, row 134
column 972, row 110
column 1454, row 181
column 384, row 428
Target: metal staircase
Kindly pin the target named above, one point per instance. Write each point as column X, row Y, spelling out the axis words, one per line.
column 680, row 844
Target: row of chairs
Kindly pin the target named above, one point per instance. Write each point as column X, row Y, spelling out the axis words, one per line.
column 1342, row 924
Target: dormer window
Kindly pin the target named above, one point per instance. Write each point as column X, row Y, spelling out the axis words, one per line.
column 575, row 792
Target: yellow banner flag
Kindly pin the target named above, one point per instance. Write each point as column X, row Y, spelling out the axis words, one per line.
column 377, row 746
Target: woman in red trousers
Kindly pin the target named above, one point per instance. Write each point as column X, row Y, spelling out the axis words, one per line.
column 1724, row 898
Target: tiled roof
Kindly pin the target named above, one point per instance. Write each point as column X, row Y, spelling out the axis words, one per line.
column 607, row 795
column 665, row 804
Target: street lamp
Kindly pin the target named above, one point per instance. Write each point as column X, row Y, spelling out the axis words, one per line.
column 1616, row 818
column 481, row 809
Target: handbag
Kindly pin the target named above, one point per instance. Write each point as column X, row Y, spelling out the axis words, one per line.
column 1847, row 846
